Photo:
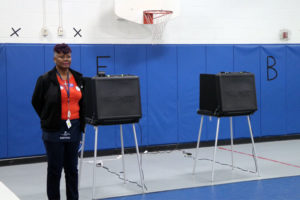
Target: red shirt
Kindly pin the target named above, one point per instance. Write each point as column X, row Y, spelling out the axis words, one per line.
column 75, row 96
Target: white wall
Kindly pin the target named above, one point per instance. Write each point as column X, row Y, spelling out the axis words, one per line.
column 200, row 22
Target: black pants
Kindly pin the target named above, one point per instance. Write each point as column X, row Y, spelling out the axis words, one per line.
column 62, row 155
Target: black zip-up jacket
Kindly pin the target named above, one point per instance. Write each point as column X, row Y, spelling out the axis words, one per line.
column 46, row 100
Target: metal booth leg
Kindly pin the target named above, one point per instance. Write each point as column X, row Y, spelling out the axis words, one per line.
column 81, row 158
column 95, row 159
column 138, row 158
column 215, row 151
column 231, row 137
column 198, row 144
column 253, row 146
column 122, row 150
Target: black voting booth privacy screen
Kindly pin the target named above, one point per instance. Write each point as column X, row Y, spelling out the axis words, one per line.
column 227, row 94
column 112, row 100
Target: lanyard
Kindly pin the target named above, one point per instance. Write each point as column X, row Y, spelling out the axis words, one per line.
column 68, row 91
column 65, row 85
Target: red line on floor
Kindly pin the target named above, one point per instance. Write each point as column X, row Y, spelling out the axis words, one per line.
column 276, row 161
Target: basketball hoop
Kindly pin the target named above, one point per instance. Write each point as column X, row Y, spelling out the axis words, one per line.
column 158, row 20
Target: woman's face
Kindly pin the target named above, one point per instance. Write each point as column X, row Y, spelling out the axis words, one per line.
column 63, row 61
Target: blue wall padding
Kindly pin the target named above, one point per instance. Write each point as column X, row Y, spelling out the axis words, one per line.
column 191, row 62
column 131, row 59
column 89, row 55
column 273, row 92
column 219, row 58
column 247, row 58
column 24, row 65
column 162, row 94
column 3, row 103
column 49, row 63
column 169, row 80
column 292, row 89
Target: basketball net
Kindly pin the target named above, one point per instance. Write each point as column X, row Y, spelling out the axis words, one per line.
column 158, row 20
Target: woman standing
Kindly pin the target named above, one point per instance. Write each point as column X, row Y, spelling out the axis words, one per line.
column 58, row 100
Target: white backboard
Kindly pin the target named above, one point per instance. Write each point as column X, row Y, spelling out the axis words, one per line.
column 132, row 10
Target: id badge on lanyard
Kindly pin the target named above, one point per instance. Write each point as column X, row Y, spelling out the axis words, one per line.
column 68, row 122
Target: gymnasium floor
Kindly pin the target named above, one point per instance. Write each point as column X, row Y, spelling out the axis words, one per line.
column 250, row 190
column 168, row 175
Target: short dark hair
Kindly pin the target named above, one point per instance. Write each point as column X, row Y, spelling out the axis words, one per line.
column 62, row 48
